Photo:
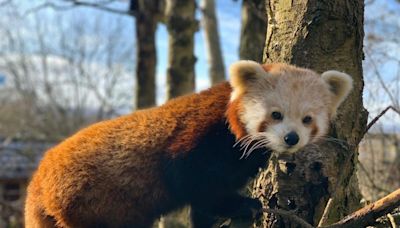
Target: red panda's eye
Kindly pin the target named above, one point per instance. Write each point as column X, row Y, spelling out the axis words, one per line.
column 277, row 115
column 307, row 119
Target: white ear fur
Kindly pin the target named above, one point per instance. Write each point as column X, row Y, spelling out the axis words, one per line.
column 242, row 74
column 340, row 85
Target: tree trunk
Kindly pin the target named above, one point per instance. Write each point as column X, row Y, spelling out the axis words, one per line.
column 146, row 13
column 213, row 47
column 253, row 31
column 321, row 35
column 181, row 25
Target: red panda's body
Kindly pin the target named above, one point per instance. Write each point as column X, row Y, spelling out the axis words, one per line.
column 128, row 171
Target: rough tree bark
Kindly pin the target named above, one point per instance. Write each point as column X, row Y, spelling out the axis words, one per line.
column 321, row 35
column 253, row 31
column 213, row 47
column 181, row 25
column 147, row 15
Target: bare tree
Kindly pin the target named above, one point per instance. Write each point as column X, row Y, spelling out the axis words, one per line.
column 213, row 47
column 181, row 25
column 62, row 76
column 147, row 14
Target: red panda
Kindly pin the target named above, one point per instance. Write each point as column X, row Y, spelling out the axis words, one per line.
column 198, row 150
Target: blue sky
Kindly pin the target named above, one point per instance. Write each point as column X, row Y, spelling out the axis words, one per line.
column 228, row 13
column 383, row 21
column 381, row 17
column 2, row 79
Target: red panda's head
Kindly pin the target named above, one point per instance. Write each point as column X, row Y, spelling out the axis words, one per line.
column 282, row 107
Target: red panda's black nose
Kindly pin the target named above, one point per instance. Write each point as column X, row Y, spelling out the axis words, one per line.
column 292, row 138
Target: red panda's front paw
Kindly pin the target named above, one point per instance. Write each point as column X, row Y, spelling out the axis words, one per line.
column 255, row 207
column 249, row 208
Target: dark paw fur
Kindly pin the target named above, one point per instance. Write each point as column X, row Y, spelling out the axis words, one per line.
column 256, row 208
column 250, row 209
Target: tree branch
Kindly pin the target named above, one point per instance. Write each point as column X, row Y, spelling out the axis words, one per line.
column 361, row 218
column 98, row 6
column 325, row 215
column 392, row 221
column 76, row 3
column 379, row 116
column 368, row 214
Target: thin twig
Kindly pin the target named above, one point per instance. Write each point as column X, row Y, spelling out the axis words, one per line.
column 373, row 121
column 73, row 4
column 98, row 6
column 47, row 5
column 392, row 221
column 325, row 215
column 340, row 179
column 380, row 78
column 368, row 214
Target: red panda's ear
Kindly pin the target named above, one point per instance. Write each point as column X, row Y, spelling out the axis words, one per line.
column 340, row 85
column 243, row 74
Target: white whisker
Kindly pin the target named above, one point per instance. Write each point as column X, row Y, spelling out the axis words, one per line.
column 248, row 144
column 241, row 140
column 256, row 145
column 252, row 149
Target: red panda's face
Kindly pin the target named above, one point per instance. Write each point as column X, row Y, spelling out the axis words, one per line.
column 282, row 107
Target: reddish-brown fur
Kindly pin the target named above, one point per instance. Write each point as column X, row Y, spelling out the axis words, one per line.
column 314, row 129
column 232, row 115
column 69, row 186
column 263, row 126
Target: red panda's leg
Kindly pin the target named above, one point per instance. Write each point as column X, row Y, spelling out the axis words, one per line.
column 237, row 206
column 233, row 206
column 201, row 218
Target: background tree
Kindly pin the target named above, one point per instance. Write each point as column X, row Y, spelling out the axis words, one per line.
column 253, row 30
column 181, row 25
column 147, row 14
column 321, row 36
column 211, row 39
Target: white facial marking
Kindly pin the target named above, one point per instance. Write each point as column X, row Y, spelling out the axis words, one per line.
column 234, row 95
column 254, row 114
column 322, row 121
